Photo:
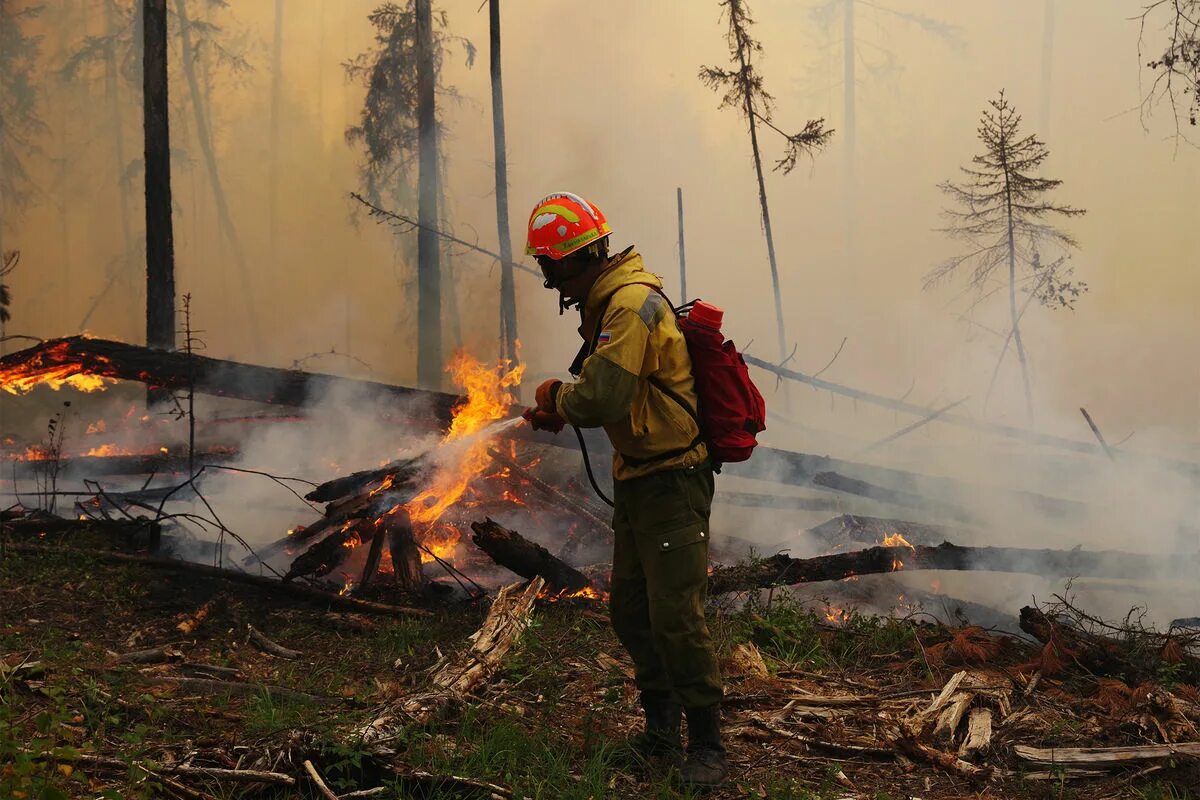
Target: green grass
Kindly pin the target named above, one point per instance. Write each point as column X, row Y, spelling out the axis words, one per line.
column 795, row 635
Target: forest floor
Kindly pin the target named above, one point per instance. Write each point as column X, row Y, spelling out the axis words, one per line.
column 75, row 722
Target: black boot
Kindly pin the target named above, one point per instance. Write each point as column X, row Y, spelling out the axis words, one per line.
column 660, row 738
column 706, row 766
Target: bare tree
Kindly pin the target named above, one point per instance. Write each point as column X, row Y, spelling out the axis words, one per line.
column 1002, row 211
column 1175, row 58
column 400, row 142
column 743, row 90
column 508, row 291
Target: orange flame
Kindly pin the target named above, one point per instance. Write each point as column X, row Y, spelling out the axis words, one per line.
column 55, row 367
column 897, row 540
column 488, row 400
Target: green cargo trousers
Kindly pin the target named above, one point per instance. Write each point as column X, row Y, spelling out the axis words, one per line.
column 660, row 581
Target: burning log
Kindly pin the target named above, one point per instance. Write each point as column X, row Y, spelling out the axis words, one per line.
column 528, row 559
column 58, row 361
column 401, row 472
column 374, row 556
column 328, row 554
column 783, row 570
column 405, row 555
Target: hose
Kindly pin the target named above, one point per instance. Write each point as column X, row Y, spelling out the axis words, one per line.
column 587, row 465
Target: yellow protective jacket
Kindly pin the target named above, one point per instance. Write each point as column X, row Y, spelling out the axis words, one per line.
column 640, row 355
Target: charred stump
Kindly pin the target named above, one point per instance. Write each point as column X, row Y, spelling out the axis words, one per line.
column 405, row 555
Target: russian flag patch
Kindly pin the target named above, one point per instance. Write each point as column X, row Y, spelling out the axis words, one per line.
column 604, row 338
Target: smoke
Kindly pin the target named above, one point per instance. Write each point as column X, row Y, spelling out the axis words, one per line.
column 855, row 237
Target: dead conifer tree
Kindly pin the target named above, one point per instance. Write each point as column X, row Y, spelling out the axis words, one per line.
column 1175, row 60
column 399, row 131
column 743, row 90
column 1003, row 212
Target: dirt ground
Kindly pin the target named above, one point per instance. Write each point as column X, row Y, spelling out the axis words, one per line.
column 76, row 722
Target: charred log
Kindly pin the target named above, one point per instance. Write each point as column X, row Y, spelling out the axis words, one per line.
column 161, row 369
column 405, row 555
column 401, row 473
column 262, row 581
column 783, row 570
column 374, row 556
column 527, row 559
column 119, row 533
column 328, row 554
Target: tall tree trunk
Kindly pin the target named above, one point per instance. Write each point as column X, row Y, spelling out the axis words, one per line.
column 1047, row 64
column 204, row 137
column 766, row 212
column 453, row 318
column 429, row 287
column 276, row 92
column 508, row 289
column 160, row 241
column 1012, row 295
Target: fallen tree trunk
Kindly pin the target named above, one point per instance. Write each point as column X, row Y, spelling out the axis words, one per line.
column 783, row 570
column 262, row 581
column 59, row 359
column 130, row 464
column 119, row 531
column 527, row 559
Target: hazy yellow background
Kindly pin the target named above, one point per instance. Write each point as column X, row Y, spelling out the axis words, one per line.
column 602, row 99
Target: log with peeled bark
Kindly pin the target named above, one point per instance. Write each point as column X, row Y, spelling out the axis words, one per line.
column 528, row 559
column 783, row 570
column 458, row 674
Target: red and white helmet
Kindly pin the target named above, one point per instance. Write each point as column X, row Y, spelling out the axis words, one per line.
column 563, row 223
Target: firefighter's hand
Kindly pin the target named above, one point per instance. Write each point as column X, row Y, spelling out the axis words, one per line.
column 546, row 396
column 544, row 420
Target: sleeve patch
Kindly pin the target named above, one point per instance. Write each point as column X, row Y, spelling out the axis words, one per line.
column 650, row 308
column 604, row 338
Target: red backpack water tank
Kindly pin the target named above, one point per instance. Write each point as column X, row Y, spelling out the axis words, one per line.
column 732, row 410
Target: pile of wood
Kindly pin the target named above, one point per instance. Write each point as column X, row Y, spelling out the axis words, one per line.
column 365, row 509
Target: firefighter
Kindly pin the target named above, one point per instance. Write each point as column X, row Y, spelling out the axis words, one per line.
column 634, row 379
